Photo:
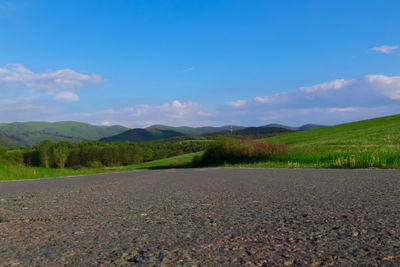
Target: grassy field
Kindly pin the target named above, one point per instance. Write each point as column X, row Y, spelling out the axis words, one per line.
column 18, row 172
column 375, row 135
column 373, row 143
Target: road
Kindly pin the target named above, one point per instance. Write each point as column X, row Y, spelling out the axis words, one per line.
column 217, row 216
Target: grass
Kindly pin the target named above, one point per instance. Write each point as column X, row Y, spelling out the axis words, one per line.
column 373, row 143
column 325, row 160
column 380, row 135
column 19, row 172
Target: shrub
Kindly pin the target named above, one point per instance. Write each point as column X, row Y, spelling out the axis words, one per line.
column 94, row 164
column 177, row 164
column 231, row 151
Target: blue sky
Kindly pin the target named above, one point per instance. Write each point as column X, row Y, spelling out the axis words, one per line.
column 197, row 63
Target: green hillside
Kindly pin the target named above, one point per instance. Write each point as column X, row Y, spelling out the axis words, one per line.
column 379, row 135
column 196, row 130
column 28, row 133
column 373, row 143
column 8, row 142
column 141, row 135
column 237, row 129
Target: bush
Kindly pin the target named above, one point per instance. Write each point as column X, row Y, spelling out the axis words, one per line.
column 94, row 164
column 232, row 151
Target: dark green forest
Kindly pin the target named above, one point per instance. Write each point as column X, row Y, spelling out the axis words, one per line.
column 96, row 154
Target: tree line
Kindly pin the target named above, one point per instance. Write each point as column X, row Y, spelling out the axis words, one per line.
column 98, row 154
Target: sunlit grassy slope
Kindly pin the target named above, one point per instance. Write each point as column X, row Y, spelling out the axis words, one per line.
column 373, row 143
column 18, row 172
column 375, row 135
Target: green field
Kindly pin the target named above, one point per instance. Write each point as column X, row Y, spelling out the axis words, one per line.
column 373, row 143
column 375, row 135
column 18, row 172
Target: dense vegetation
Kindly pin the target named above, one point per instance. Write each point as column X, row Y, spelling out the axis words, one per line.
column 20, row 171
column 371, row 143
column 99, row 154
column 227, row 150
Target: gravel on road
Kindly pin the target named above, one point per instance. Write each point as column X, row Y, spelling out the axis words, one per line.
column 204, row 217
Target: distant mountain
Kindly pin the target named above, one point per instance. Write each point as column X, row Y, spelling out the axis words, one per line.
column 279, row 128
column 29, row 133
column 196, row 130
column 274, row 127
column 142, row 135
column 310, row 126
column 266, row 129
column 8, row 142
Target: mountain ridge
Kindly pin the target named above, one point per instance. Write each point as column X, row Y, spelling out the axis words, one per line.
column 30, row 133
column 141, row 135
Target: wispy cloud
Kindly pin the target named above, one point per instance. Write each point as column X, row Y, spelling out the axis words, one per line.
column 25, row 109
column 336, row 84
column 328, row 102
column 387, row 49
column 175, row 113
column 60, row 84
column 237, row 103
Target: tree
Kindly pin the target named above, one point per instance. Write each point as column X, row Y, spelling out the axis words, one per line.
column 60, row 153
column 45, row 154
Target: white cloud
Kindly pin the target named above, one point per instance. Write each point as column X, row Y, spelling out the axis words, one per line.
column 60, row 84
column 332, row 85
column 329, row 102
column 105, row 123
column 175, row 113
column 388, row 86
column 237, row 103
column 387, row 49
column 24, row 109
column 266, row 99
column 347, row 109
column 66, row 96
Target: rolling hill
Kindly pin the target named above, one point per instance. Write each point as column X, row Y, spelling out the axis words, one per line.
column 29, row 133
column 279, row 128
column 8, row 142
column 237, row 129
column 309, row 126
column 196, row 130
column 379, row 134
column 142, row 135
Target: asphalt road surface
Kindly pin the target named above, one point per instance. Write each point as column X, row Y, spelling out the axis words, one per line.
column 204, row 217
